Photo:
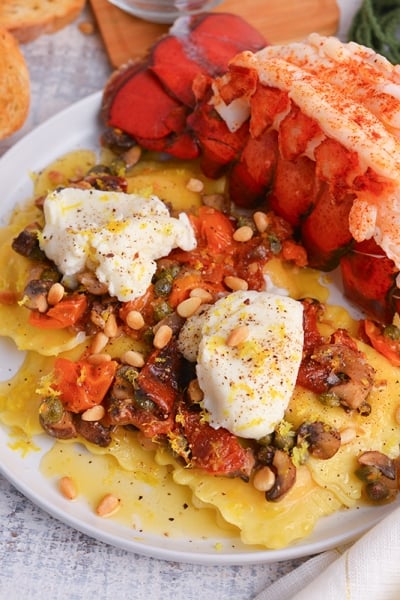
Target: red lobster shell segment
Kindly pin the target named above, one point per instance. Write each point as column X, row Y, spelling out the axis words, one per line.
column 151, row 99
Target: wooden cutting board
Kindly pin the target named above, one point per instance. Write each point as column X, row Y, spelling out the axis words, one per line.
column 127, row 37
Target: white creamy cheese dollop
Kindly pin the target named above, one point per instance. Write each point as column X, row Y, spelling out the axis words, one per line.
column 117, row 236
column 246, row 387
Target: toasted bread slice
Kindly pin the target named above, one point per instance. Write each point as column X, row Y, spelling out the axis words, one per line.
column 14, row 85
column 27, row 19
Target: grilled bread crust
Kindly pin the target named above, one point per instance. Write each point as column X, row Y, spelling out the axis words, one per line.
column 28, row 19
column 14, row 85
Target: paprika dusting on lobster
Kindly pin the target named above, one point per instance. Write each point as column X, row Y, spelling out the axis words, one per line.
column 310, row 130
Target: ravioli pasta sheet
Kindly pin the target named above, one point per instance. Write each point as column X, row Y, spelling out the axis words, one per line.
column 138, row 470
column 322, row 486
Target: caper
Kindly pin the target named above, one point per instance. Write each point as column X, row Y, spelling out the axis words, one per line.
column 51, row 410
column 274, row 244
column 329, row 399
column 118, row 167
column 392, row 332
column 144, row 402
column 50, row 275
column 98, row 169
column 162, row 286
column 284, row 440
column 243, row 220
column 162, row 310
column 163, row 280
column 174, row 270
column 148, row 336
column 266, row 440
column 128, row 373
column 368, row 473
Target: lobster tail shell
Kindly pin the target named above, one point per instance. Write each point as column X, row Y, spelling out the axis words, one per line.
column 151, row 99
column 310, row 130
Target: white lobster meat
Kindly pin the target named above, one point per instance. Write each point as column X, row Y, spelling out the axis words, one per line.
column 353, row 96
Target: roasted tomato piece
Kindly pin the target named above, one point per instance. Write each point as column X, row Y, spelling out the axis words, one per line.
column 64, row 314
column 385, row 340
column 82, row 384
column 128, row 405
column 159, row 378
column 216, row 451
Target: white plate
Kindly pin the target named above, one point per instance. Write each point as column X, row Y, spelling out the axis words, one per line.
column 78, row 128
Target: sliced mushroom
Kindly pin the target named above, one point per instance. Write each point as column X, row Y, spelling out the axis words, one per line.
column 35, row 294
column 323, row 441
column 94, row 431
column 380, row 475
column 351, row 377
column 105, row 181
column 27, row 243
column 64, row 429
column 384, row 464
column 92, row 284
column 285, row 476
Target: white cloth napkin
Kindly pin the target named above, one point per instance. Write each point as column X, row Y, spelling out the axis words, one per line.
column 367, row 570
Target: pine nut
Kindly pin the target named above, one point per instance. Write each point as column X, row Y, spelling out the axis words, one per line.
column 134, row 320
column 55, row 294
column 133, row 358
column 261, row 221
column 94, row 413
column 237, row 335
column 188, row 307
column 108, row 505
column 347, row 435
column 162, row 336
column 97, row 319
column 40, row 303
column 132, row 156
column 111, row 327
column 264, row 479
column 195, row 185
column 194, row 391
column 236, row 283
column 67, row 487
column 201, row 293
column 99, row 358
column 99, row 342
column 243, row 234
